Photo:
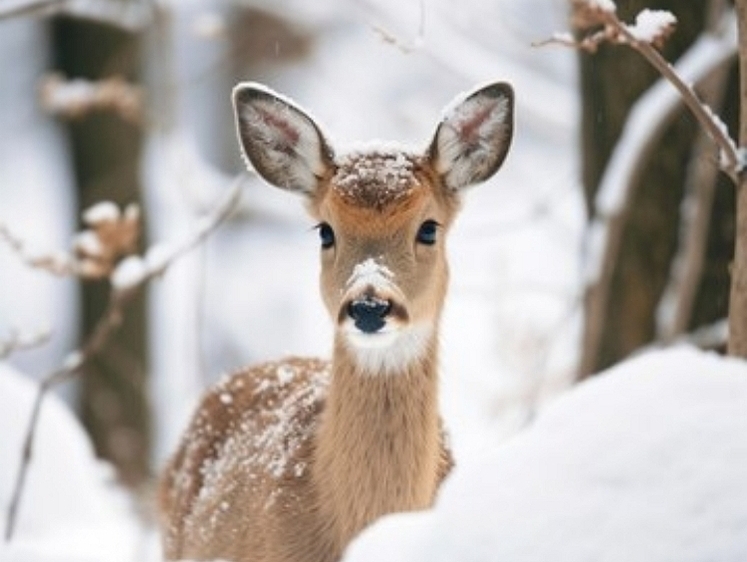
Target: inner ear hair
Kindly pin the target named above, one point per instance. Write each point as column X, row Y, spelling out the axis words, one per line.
column 281, row 141
column 472, row 140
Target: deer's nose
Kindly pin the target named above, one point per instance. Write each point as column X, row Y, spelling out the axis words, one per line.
column 369, row 313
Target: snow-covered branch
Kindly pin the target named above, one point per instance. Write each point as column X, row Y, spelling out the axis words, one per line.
column 675, row 308
column 126, row 278
column 650, row 30
column 110, row 235
column 76, row 98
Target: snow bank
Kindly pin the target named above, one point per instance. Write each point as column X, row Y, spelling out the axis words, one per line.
column 645, row 462
column 71, row 509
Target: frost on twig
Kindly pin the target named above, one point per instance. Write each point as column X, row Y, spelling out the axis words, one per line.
column 596, row 22
column 110, row 235
column 75, row 98
column 126, row 278
column 17, row 340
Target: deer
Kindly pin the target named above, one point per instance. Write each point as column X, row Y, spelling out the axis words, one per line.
column 289, row 460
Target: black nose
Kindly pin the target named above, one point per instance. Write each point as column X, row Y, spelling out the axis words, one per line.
column 369, row 313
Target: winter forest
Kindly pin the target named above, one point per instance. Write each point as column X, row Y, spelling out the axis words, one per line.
column 591, row 373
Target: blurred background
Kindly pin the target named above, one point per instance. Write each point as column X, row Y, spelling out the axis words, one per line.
column 129, row 101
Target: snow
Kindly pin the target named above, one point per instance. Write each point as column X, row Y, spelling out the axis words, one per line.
column 376, row 178
column 651, row 25
column 88, row 243
column 129, row 273
column 72, row 510
column 370, row 272
column 644, row 462
column 604, row 5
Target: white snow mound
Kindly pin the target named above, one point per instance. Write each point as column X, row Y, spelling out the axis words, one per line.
column 647, row 461
column 71, row 509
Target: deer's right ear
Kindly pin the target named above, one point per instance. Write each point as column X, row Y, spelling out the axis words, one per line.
column 280, row 141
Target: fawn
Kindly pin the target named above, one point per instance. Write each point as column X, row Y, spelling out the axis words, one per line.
column 288, row 461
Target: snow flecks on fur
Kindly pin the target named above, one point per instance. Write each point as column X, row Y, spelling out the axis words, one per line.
column 267, row 439
column 375, row 178
column 370, row 273
column 251, row 435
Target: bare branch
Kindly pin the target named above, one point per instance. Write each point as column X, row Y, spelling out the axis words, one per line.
column 404, row 46
column 59, row 264
column 17, row 340
column 19, row 8
column 130, row 15
column 124, row 287
column 676, row 305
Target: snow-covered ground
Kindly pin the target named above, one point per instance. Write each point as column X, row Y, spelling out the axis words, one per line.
column 643, row 463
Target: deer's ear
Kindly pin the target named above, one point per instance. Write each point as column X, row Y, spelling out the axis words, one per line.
column 280, row 141
column 474, row 136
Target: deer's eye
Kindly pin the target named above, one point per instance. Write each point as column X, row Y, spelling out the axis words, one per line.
column 326, row 235
column 427, row 233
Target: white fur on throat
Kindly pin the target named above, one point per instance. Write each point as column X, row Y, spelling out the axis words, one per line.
column 389, row 351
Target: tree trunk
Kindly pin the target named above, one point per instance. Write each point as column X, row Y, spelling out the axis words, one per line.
column 612, row 80
column 738, row 308
column 105, row 150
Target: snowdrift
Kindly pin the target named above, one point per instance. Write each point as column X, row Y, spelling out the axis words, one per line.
column 647, row 461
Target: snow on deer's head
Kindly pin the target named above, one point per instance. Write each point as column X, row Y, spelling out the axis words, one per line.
column 382, row 212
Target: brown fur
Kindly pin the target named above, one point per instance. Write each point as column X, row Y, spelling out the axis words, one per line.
column 311, row 505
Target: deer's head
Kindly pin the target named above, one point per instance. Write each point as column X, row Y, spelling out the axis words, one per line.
column 382, row 213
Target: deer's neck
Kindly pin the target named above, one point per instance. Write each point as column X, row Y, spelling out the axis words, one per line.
column 378, row 444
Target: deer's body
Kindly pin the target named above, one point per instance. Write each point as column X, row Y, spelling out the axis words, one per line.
column 288, row 461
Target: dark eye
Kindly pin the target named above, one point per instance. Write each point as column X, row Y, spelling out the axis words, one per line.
column 326, row 235
column 427, row 233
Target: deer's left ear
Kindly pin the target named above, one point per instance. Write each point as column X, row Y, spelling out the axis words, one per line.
column 473, row 138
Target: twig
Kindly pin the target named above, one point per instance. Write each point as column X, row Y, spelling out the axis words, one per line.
column 125, row 286
column 676, row 304
column 131, row 15
column 20, row 8
column 616, row 32
column 58, row 264
column 18, row 341
column 405, row 47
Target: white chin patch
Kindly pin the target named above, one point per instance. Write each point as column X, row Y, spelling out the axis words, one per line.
column 388, row 351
